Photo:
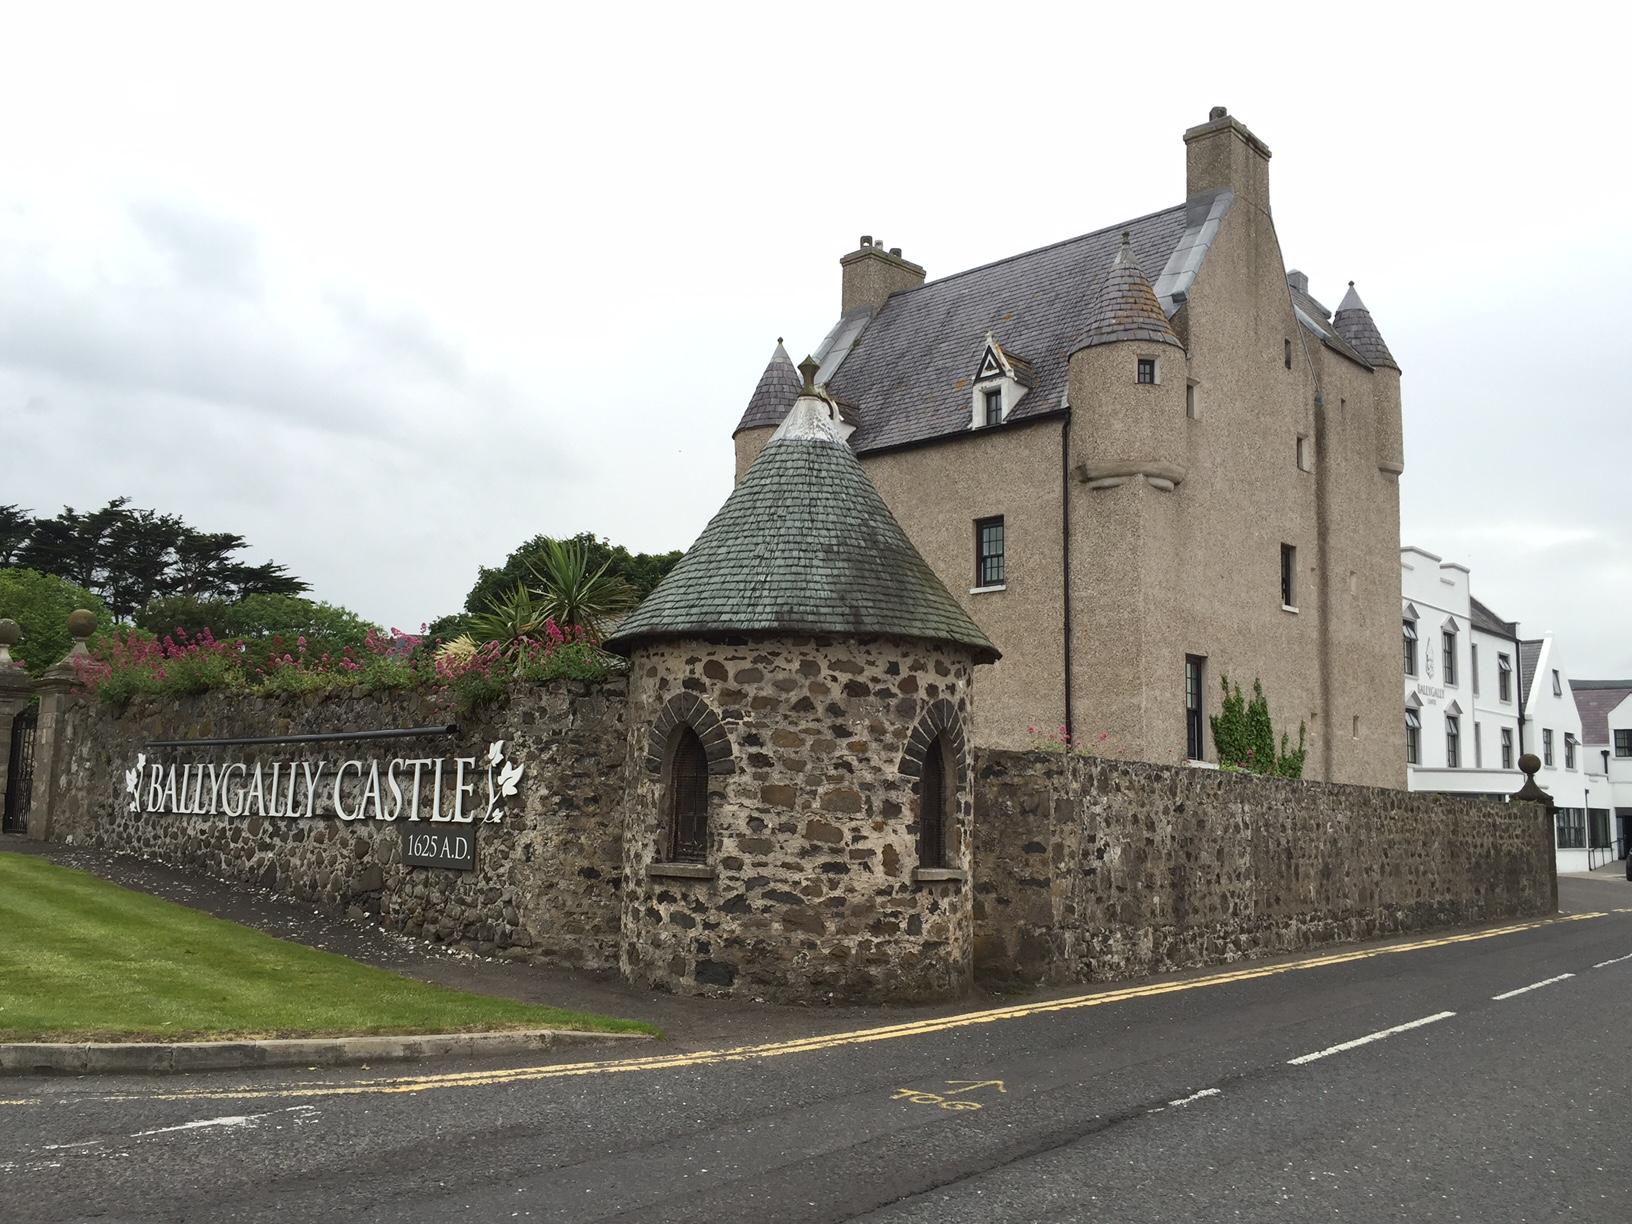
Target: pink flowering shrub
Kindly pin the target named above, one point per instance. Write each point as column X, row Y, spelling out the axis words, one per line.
column 127, row 662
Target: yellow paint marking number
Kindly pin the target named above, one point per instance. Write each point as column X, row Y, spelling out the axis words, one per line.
column 945, row 1100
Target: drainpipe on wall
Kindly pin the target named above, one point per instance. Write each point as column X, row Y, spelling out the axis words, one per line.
column 1065, row 562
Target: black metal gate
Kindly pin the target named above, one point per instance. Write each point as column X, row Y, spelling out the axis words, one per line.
column 20, row 773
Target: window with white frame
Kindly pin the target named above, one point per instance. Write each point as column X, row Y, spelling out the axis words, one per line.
column 1453, row 741
column 1147, row 371
column 1447, row 650
column 1623, row 743
column 1546, row 747
column 1413, row 737
column 1507, row 747
column 1558, row 684
column 1572, row 829
column 1410, row 631
column 1504, row 677
column 1569, row 750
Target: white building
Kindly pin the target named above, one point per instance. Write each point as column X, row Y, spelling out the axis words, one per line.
column 1478, row 696
column 1462, row 690
column 1605, row 707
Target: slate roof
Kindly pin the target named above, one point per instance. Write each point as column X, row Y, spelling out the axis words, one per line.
column 1594, row 699
column 778, row 387
column 1127, row 308
column 909, row 366
column 1317, row 319
column 1353, row 322
column 1529, row 657
column 1482, row 618
column 804, row 544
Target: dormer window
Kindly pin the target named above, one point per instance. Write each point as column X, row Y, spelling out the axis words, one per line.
column 1147, row 371
column 1001, row 381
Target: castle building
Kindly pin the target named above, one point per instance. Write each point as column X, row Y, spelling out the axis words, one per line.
column 1142, row 459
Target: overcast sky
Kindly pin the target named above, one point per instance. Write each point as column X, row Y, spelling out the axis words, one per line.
column 390, row 290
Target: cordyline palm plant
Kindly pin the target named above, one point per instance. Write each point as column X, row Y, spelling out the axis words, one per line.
column 571, row 593
column 509, row 620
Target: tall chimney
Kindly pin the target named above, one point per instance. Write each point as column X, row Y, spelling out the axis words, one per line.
column 871, row 274
column 1223, row 153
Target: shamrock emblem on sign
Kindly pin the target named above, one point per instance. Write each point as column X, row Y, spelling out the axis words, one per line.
column 506, row 783
column 133, row 782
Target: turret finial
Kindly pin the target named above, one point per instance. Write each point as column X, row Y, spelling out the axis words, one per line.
column 808, row 368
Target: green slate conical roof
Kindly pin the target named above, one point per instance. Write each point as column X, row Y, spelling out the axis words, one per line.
column 804, row 545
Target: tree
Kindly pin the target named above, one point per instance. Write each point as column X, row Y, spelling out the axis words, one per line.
column 40, row 604
column 129, row 556
column 15, row 528
column 642, row 571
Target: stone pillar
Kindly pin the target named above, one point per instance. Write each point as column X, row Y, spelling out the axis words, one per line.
column 56, row 689
column 16, row 691
column 1532, row 793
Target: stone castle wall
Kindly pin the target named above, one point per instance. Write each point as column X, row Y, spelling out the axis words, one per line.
column 547, row 874
column 1076, row 868
column 1093, row 869
column 810, row 891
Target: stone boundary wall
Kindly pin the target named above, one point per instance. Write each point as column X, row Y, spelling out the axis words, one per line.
column 1091, row 869
column 547, row 875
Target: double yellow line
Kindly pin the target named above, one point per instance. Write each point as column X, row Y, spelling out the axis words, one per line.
column 806, row 1045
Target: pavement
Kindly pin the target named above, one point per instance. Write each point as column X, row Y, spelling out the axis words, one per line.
column 1479, row 1075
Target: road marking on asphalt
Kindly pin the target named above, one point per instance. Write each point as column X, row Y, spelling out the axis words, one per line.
column 944, row 1099
column 806, row 1045
column 1533, row 986
column 1616, row 961
column 1194, row 1097
column 1368, row 1038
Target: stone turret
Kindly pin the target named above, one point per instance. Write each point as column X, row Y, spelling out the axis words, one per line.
column 1127, row 381
column 1354, row 323
column 798, row 807
column 773, row 396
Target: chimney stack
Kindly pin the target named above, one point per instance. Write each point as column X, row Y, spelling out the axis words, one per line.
column 871, row 274
column 1223, row 153
column 1298, row 280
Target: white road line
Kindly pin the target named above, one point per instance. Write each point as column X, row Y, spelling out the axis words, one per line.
column 1616, row 961
column 1533, row 986
column 1195, row 1096
column 1368, row 1039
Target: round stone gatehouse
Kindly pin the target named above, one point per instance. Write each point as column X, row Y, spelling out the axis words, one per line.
column 798, row 813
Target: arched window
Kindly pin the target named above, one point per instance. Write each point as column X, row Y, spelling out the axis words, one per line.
column 932, row 806
column 688, row 798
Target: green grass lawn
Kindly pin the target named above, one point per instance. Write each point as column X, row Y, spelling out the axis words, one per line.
column 82, row 959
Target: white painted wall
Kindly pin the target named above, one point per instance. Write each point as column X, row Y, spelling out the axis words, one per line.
column 1576, row 787
column 1439, row 593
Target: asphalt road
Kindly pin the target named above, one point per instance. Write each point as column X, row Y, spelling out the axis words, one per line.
column 1385, row 1082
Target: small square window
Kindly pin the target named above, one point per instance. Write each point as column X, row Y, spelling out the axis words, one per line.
column 989, row 552
column 1289, row 569
column 994, row 406
column 1190, row 400
column 1147, row 370
column 1306, row 454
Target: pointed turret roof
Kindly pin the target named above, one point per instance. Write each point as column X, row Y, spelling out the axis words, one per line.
column 804, row 545
column 1353, row 322
column 1127, row 308
column 778, row 387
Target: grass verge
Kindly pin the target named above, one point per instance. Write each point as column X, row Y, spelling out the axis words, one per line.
column 85, row 960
